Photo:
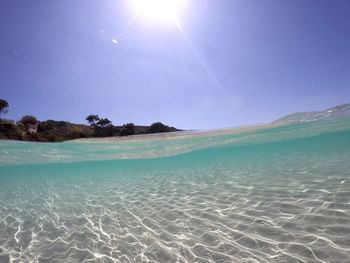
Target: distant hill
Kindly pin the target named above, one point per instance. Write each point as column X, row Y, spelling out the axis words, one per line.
column 303, row 117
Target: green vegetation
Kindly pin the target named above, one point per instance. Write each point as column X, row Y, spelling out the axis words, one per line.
column 28, row 128
column 102, row 126
column 159, row 127
column 128, row 129
column 103, row 123
column 96, row 121
column 3, row 107
column 28, row 119
column 92, row 119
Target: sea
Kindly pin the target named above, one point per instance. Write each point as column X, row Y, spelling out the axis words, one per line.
column 268, row 193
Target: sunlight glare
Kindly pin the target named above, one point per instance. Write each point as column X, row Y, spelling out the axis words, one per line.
column 159, row 9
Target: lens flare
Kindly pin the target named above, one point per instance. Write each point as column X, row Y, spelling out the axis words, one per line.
column 159, row 9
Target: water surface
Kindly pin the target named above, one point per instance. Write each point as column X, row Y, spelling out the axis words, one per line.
column 264, row 194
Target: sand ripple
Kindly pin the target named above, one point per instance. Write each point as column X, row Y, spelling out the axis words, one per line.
column 220, row 213
column 287, row 202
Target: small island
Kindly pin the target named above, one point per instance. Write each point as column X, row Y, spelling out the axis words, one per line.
column 29, row 128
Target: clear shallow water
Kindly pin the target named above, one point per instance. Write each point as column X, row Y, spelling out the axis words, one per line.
column 267, row 194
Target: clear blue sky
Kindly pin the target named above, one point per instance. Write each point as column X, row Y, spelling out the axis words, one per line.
column 233, row 63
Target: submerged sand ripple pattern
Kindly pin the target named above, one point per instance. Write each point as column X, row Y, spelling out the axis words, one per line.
column 223, row 212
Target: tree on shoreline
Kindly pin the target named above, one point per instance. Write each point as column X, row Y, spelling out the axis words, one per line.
column 96, row 122
column 103, row 127
column 128, row 129
column 92, row 119
column 159, row 127
column 103, row 123
column 28, row 119
column 3, row 107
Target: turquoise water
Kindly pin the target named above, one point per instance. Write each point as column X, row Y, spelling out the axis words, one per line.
column 263, row 194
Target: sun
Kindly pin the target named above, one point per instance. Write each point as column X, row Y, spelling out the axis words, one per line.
column 159, row 9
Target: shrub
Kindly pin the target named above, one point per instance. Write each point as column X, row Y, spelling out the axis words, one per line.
column 28, row 119
column 104, row 132
column 128, row 129
column 159, row 127
column 3, row 107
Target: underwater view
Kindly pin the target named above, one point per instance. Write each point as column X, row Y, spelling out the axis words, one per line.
column 274, row 193
column 174, row 131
